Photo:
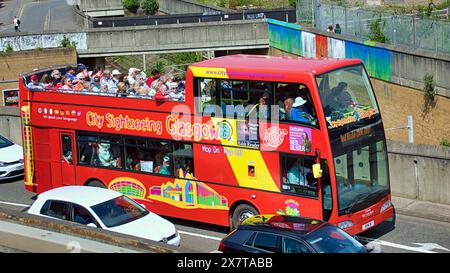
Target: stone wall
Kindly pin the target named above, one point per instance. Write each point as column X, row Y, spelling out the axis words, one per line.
column 14, row 63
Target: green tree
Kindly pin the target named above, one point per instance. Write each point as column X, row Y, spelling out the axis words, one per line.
column 150, row 6
column 376, row 34
column 132, row 5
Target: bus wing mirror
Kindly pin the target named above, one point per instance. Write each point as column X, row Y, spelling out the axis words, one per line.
column 317, row 171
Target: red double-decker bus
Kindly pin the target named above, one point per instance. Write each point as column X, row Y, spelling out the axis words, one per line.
column 253, row 134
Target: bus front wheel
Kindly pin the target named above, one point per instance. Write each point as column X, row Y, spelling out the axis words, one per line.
column 241, row 213
column 96, row 183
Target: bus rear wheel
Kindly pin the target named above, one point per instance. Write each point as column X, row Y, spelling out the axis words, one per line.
column 96, row 183
column 241, row 213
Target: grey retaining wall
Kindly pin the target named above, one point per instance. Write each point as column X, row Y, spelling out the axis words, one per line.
column 188, row 6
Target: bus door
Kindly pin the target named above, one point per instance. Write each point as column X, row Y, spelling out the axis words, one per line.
column 67, row 158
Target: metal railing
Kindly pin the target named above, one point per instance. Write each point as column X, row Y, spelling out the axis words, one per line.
column 408, row 30
column 286, row 15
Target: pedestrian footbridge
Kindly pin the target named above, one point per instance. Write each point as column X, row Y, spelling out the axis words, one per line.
column 134, row 40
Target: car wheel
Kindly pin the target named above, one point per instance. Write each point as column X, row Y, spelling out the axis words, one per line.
column 97, row 184
column 241, row 213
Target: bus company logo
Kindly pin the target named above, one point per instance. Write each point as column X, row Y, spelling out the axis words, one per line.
column 40, row 110
column 226, row 130
column 274, row 136
column 367, row 213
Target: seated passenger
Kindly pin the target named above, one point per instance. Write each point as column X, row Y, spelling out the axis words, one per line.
column 165, row 168
column 105, row 156
column 46, row 80
column 67, row 84
column 121, row 89
column 288, row 107
column 298, row 175
column 175, row 94
column 88, row 153
column 338, row 99
column 35, row 85
column 70, row 73
column 299, row 112
column 162, row 93
column 95, row 86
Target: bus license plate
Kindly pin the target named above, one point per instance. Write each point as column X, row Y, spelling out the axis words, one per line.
column 368, row 225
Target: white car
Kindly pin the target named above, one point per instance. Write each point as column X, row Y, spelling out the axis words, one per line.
column 11, row 159
column 106, row 209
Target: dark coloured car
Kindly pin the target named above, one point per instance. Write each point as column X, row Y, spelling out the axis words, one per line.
column 288, row 234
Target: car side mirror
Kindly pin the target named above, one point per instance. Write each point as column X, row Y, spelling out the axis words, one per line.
column 317, row 170
column 92, row 225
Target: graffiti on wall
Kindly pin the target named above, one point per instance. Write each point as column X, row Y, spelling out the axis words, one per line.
column 27, row 42
column 290, row 38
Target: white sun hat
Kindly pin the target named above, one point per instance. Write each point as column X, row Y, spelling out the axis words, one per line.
column 299, row 101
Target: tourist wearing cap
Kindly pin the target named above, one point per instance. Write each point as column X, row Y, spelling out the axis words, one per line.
column 95, row 86
column 299, row 111
column 116, row 75
column 165, row 168
column 35, row 85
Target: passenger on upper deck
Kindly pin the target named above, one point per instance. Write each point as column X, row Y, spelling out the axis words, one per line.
column 70, row 73
column 35, row 85
column 46, row 80
column 175, row 94
column 155, row 75
column 108, row 83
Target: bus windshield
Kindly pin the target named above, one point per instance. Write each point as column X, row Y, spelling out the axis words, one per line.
column 346, row 95
column 361, row 173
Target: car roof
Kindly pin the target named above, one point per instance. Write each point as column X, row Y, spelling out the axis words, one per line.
column 282, row 224
column 82, row 195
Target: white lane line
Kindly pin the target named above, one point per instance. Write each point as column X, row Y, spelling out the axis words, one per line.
column 200, row 235
column 14, row 204
column 394, row 245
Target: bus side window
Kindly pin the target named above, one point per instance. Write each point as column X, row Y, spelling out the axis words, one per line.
column 297, row 176
column 66, row 142
column 183, row 160
column 295, row 103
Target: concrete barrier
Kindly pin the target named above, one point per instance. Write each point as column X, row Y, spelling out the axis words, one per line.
column 101, row 8
column 10, row 124
column 22, row 232
column 420, row 172
column 188, row 6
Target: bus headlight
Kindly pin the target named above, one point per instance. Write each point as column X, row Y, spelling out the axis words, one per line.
column 385, row 206
column 345, row 224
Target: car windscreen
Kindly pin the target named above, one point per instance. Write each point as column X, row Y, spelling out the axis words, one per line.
column 331, row 239
column 5, row 142
column 119, row 211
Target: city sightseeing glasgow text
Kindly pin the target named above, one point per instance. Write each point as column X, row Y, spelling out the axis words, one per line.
column 174, row 126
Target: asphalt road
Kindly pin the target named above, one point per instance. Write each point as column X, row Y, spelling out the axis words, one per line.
column 411, row 234
column 39, row 15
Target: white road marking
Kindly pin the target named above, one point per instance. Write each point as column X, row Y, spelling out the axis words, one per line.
column 14, row 204
column 200, row 235
column 377, row 243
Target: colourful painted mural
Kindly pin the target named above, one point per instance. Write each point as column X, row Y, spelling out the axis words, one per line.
column 188, row 194
column 128, row 186
column 295, row 40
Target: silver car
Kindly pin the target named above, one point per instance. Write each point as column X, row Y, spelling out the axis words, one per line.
column 11, row 159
